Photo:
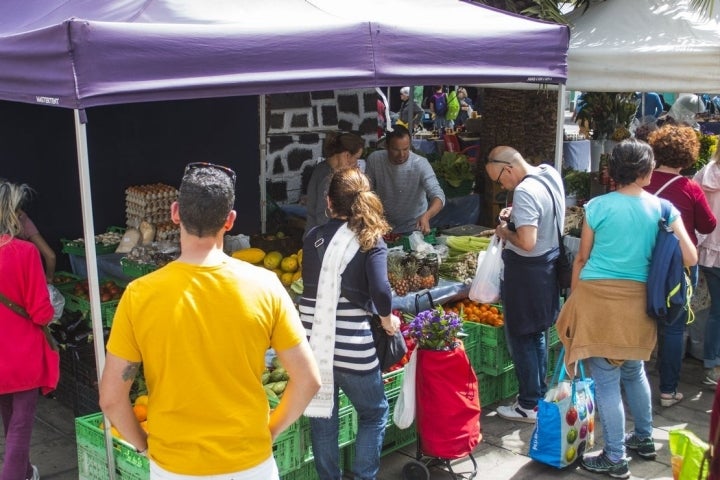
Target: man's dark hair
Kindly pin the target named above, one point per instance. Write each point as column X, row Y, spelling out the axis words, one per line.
column 398, row 132
column 206, row 197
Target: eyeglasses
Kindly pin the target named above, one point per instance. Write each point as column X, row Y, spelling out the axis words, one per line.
column 492, row 160
column 196, row 165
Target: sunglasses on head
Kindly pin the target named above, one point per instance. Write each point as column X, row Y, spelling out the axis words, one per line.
column 197, row 165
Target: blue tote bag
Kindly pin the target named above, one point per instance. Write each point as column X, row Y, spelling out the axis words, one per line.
column 565, row 426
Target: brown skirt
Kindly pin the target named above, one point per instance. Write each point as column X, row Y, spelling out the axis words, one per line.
column 607, row 319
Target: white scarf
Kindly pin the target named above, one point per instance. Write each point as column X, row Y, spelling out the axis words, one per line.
column 339, row 252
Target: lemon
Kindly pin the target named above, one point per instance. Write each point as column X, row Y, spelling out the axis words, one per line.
column 289, row 264
column 141, row 400
column 272, row 260
column 278, row 272
column 297, row 275
column 286, row 278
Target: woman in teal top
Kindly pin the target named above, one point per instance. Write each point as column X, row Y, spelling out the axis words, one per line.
column 604, row 322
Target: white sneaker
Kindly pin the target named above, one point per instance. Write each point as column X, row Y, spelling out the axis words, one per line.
column 517, row 413
column 36, row 474
column 711, row 376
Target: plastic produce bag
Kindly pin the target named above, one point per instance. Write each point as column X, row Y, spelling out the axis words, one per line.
column 57, row 300
column 404, row 413
column 418, row 243
column 485, row 287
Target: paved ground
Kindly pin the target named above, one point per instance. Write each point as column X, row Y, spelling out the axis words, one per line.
column 501, row 456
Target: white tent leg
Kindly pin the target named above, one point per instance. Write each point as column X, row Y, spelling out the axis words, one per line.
column 263, row 166
column 560, row 128
column 92, row 270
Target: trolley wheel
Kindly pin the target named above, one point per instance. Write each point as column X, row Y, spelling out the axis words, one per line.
column 415, row 471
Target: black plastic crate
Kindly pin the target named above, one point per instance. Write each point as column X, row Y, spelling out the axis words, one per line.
column 78, row 385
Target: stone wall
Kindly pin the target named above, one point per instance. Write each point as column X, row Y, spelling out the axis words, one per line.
column 297, row 124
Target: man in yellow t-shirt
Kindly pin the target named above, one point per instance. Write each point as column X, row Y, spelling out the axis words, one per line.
column 200, row 327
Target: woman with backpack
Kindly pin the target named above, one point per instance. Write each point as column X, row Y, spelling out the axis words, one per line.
column 604, row 321
column 675, row 148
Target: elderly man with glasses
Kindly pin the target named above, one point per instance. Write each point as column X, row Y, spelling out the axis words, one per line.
column 530, row 294
column 200, row 327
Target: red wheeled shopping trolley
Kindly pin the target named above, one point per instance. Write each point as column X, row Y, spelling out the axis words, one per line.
column 447, row 412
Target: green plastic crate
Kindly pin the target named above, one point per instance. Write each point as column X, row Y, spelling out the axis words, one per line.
column 74, row 303
column 397, row 438
column 553, row 338
column 65, row 281
column 307, row 470
column 489, row 389
column 552, row 358
column 347, row 417
column 135, row 269
column 92, row 457
column 495, row 359
column 508, row 384
column 492, row 336
column 286, row 449
column 392, row 381
column 75, row 247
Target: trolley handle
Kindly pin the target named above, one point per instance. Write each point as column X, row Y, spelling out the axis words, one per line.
column 419, row 295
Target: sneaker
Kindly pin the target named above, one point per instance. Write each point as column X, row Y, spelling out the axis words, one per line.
column 517, row 413
column 670, row 399
column 602, row 464
column 645, row 447
column 711, row 376
column 35, row 474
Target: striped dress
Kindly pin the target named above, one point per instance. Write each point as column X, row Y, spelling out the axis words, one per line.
column 354, row 346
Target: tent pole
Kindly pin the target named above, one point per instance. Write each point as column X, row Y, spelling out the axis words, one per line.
column 560, row 127
column 263, row 166
column 92, row 270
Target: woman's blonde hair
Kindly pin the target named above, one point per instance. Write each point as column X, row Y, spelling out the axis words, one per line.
column 351, row 197
column 11, row 199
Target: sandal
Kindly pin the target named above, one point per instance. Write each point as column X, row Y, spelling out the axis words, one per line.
column 670, row 399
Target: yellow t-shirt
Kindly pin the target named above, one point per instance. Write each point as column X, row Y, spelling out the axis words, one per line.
column 202, row 334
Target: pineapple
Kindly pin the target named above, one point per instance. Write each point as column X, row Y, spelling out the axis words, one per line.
column 427, row 279
column 396, row 276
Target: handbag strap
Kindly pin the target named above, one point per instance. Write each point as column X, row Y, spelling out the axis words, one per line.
column 561, row 246
column 14, row 306
column 676, row 177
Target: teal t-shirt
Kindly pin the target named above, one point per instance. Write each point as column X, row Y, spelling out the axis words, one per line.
column 625, row 230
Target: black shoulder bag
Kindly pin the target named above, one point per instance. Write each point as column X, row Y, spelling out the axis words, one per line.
column 564, row 262
column 390, row 349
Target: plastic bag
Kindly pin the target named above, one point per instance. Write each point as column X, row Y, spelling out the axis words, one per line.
column 404, row 413
column 485, row 287
column 57, row 300
column 418, row 243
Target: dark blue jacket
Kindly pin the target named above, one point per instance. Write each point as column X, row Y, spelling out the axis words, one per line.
column 364, row 281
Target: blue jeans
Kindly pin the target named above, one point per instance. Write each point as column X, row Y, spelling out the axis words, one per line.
column 529, row 355
column 608, row 400
column 367, row 394
column 711, row 347
column 18, row 415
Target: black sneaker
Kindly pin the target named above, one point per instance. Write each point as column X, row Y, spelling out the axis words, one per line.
column 602, row 464
column 645, row 447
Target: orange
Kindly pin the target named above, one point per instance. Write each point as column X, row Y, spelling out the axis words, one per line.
column 140, row 412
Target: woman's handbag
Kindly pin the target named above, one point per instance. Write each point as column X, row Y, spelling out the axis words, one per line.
column 390, row 348
column 565, row 425
column 485, row 287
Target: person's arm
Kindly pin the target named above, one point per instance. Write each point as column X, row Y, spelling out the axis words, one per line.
column 587, row 239
column 304, row 382
column 117, row 378
column 704, row 218
column 525, row 237
column 423, row 223
column 47, row 253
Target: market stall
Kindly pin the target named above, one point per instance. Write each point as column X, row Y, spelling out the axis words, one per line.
column 74, row 55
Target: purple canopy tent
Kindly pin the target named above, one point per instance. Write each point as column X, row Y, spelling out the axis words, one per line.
column 79, row 54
